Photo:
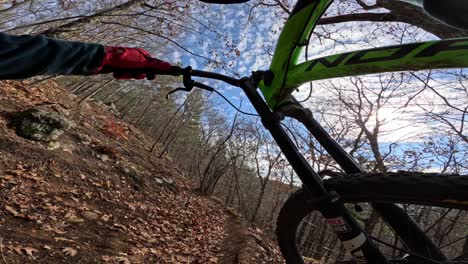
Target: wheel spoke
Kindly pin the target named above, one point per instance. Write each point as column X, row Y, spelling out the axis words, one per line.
column 439, row 220
column 405, row 251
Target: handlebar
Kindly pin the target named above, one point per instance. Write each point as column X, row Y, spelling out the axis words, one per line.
column 267, row 76
column 189, row 84
column 178, row 71
column 216, row 76
column 188, row 73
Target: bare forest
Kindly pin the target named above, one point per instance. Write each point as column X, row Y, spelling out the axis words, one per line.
column 411, row 121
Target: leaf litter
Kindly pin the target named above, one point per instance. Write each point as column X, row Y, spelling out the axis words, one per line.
column 73, row 205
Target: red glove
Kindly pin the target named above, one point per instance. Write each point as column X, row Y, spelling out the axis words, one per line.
column 131, row 63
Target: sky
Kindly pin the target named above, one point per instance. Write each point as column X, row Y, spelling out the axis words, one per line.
column 248, row 38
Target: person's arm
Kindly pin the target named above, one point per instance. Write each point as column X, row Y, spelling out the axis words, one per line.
column 25, row 56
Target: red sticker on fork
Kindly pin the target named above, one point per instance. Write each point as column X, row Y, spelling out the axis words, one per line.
column 338, row 224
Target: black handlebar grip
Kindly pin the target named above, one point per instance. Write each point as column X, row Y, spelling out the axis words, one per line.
column 174, row 70
column 150, row 75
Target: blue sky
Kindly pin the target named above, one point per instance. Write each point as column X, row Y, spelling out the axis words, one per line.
column 232, row 27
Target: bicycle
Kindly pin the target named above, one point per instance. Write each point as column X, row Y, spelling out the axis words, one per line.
column 328, row 196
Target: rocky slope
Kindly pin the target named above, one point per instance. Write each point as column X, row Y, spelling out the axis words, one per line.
column 95, row 194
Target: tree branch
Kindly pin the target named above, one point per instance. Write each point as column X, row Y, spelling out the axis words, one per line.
column 163, row 37
column 400, row 12
column 376, row 17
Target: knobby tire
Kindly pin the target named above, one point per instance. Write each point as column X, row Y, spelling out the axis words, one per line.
column 448, row 191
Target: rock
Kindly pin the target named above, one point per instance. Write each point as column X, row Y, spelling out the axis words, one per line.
column 158, row 180
column 87, row 125
column 83, row 138
column 111, row 108
column 104, row 157
column 40, row 125
column 145, row 234
column 11, row 210
column 90, row 215
column 53, row 145
column 68, row 148
column 75, row 220
column 70, row 251
column 106, row 217
column 122, row 260
column 47, row 247
column 167, row 180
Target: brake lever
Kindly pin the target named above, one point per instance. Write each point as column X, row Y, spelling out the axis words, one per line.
column 189, row 84
column 151, row 74
column 187, row 81
column 176, row 90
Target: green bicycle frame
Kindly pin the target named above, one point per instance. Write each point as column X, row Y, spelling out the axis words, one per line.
column 288, row 75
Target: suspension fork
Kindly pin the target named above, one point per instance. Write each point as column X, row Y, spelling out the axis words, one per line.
column 330, row 205
column 410, row 233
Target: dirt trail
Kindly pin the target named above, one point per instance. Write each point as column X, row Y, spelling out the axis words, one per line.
column 237, row 245
column 244, row 245
column 99, row 196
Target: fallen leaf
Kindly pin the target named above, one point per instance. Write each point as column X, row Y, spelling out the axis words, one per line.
column 155, row 251
column 118, row 226
column 63, row 239
column 11, row 210
column 106, row 217
column 7, row 177
column 106, row 258
column 76, row 220
column 30, row 251
column 122, row 260
column 182, row 258
column 70, row 251
column 90, row 215
column 60, row 232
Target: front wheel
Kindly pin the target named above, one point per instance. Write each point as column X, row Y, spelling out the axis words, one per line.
column 438, row 203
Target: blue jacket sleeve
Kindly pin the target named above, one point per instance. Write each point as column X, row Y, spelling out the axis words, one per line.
column 26, row 56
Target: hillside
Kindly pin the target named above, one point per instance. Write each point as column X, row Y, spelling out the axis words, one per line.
column 96, row 195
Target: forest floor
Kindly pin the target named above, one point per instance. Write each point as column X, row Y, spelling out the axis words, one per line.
column 99, row 196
